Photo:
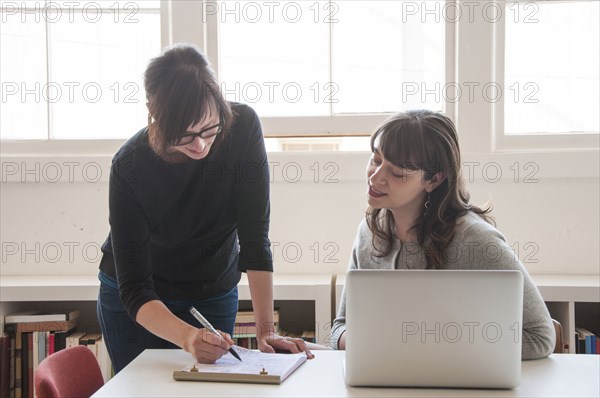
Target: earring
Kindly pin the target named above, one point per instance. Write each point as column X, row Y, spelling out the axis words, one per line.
column 427, row 204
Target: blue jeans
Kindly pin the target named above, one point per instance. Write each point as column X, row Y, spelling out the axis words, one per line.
column 125, row 339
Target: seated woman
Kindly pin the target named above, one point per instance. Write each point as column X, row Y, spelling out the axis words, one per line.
column 419, row 217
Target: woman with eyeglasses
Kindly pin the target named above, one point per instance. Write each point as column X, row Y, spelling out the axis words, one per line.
column 189, row 212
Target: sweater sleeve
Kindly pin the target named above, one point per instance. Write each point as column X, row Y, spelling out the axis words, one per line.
column 252, row 202
column 339, row 323
column 484, row 247
column 130, row 235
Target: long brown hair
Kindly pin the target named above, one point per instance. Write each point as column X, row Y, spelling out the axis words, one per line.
column 181, row 87
column 427, row 141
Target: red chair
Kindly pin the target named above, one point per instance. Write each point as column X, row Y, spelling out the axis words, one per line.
column 72, row 372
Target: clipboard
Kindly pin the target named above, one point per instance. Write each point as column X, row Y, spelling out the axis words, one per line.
column 256, row 367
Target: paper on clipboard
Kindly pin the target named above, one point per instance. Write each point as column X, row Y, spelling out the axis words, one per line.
column 255, row 367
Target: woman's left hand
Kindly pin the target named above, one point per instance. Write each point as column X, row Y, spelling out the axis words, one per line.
column 270, row 342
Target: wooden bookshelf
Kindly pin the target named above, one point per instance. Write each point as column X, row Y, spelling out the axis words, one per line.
column 563, row 295
column 19, row 292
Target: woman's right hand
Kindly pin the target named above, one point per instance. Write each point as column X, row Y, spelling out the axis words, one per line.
column 207, row 347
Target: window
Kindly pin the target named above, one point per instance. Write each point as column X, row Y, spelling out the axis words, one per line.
column 302, row 65
column 324, row 69
column 276, row 61
column 552, row 82
column 73, row 70
column 324, row 58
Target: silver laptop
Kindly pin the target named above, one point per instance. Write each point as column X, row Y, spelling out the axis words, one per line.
column 434, row 328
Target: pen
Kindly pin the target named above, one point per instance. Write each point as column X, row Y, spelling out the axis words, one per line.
column 210, row 328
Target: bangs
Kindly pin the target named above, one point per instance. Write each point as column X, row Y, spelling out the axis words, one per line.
column 188, row 102
column 203, row 104
column 401, row 143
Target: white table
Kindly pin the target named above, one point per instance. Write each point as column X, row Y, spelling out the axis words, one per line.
column 151, row 375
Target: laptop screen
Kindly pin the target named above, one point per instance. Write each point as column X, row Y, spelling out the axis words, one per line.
column 434, row 328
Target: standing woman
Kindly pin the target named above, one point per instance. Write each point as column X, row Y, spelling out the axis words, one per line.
column 189, row 211
column 419, row 217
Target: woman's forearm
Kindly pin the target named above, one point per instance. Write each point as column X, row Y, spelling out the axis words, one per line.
column 155, row 317
column 261, row 291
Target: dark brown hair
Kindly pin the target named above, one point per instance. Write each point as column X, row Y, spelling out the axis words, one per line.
column 427, row 141
column 181, row 87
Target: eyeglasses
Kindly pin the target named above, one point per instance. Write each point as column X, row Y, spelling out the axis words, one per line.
column 208, row 132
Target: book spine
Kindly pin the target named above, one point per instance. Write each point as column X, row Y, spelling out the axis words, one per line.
column 12, row 365
column 587, row 348
column 10, row 328
column 34, row 355
column 51, row 343
column 104, row 360
column 246, row 328
column 41, row 347
column 30, row 349
column 4, row 366
column 248, row 317
column 73, row 339
column 34, row 318
column 54, row 326
column 18, row 364
column 60, row 341
column 25, row 355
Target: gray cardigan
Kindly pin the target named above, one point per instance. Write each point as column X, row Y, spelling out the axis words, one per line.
column 476, row 245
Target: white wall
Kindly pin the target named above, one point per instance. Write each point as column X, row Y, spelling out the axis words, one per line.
column 56, row 228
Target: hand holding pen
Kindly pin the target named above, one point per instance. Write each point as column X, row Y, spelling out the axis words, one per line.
column 211, row 329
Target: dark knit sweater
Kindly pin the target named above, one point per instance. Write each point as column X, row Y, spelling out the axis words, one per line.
column 175, row 227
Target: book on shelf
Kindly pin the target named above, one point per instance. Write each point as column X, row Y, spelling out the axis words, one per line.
column 51, row 343
column 26, row 355
column 37, row 352
column 60, row 339
column 248, row 319
column 39, row 316
column 244, row 330
column 72, row 340
column 89, row 340
column 12, row 364
column 586, row 341
column 18, row 365
column 5, row 356
column 247, row 316
column 246, row 342
column 44, row 326
column 22, row 365
column 104, row 360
